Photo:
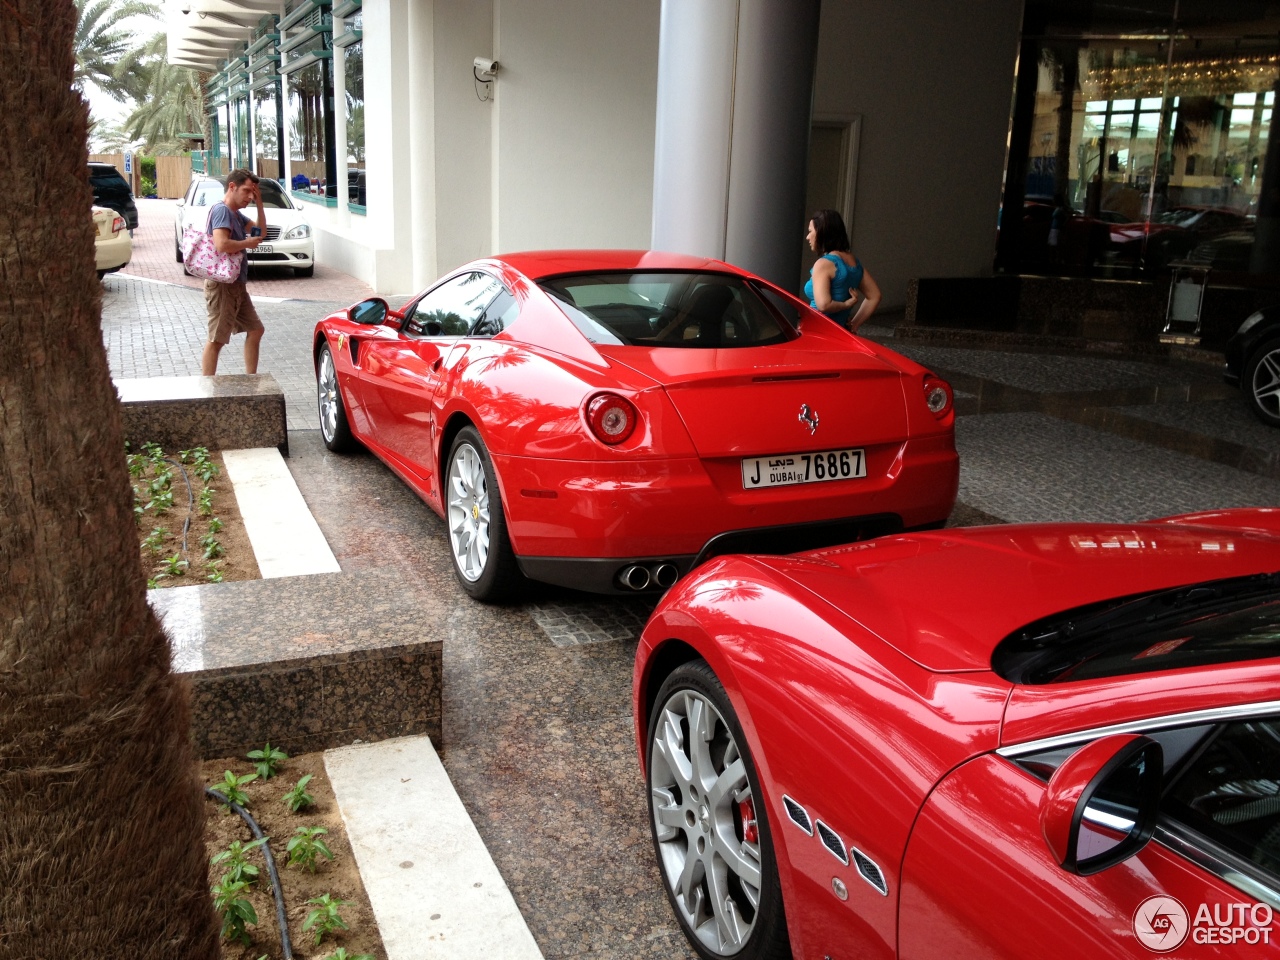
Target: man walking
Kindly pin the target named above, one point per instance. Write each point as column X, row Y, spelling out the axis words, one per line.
column 230, row 309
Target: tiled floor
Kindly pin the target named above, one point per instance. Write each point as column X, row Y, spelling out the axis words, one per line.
column 537, row 724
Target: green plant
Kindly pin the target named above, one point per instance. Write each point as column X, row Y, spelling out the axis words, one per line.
column 267, row 760
column 215, row 525
column 154, row 452
column 214, row 575
column 206, row 469
column 137, row 464
column 175, row 566
column 235, row 910
column 305, row 845
column 148, row 187
column 212, row 548
column 232, row 787
column 160, row 502
column 341, row 954
column 297, row 798
column 155, row 540
column 236, row 858
column 205, row 502
column 325, row 917
column 154, row 582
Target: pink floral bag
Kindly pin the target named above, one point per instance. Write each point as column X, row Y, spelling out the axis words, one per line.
column 202, row 258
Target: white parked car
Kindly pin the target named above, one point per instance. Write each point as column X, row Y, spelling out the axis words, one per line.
column 288, row 242
column 112, row 247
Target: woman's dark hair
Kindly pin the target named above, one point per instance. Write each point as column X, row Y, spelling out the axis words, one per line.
column 829, row 226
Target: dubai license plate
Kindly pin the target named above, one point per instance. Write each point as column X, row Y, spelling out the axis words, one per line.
column 803, row 468
column 263, row 248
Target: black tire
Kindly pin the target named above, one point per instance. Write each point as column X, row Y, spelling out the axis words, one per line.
column 334, row 428
column 697, row 814
column 305, row 271
column 177, row 251
column 1260, row 382
column 477, row 523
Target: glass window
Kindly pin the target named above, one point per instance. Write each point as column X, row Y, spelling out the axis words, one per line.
column 500, row 315
column 698, row 310
column 1230, row 791
column 353, row 61
column 266, row 132
column 452, row 308
column 307, row 145
column 1218, row 621
column 1131, row 119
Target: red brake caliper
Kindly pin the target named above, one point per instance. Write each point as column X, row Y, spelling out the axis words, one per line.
column 747, row 810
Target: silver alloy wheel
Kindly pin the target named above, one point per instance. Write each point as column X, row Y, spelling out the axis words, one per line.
column 1266, row 383
column 327, row 389
column 468, row 492
column 699, row 785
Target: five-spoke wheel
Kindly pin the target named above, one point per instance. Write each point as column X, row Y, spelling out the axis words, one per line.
column 1262, row 382
column 709, row 828
column 334, row 429
column 482, row 556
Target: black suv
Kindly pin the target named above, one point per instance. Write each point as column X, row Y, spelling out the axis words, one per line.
column 110, row 189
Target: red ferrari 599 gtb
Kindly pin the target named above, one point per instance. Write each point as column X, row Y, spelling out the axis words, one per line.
column 606, row 420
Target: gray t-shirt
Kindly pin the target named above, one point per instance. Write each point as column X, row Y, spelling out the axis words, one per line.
column 222, row 217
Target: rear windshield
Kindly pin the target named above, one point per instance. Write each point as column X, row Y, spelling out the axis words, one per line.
column 107, row 178
column 1219, row 621
column 672, row 309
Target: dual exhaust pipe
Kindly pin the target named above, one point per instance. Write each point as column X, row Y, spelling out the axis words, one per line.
column 639, row 577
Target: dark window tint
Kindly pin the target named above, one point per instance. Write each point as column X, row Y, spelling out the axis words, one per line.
column 686, row 310
column 500, row 315
column 1220, row 621
column 1229, row 790
column 453, row 307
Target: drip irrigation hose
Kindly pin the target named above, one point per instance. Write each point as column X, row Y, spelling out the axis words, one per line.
column 281, row 920
column 191, row 502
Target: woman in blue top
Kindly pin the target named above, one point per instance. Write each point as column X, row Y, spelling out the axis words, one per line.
column 838, row 282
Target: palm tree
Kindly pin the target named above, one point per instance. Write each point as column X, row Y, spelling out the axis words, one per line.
column 101, row 850
column 171, row 102
column 102, row 41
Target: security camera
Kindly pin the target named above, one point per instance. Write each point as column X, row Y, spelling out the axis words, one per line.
column 485, row 69
column 186, row 8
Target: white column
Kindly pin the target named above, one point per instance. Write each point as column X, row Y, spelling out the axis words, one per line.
column 422, row 140
column 735, row 82
column 339, row 74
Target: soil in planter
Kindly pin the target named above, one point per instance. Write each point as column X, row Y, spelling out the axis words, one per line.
column 160, row 527
column 339, row 877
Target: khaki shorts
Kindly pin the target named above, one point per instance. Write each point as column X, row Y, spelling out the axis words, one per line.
column 230, row 311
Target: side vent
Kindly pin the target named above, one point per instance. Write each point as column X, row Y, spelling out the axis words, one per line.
column 797, row 814
column 355, row 351
column 869, row 871
column 831, row 840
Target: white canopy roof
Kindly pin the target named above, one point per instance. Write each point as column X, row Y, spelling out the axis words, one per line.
column 203, row 33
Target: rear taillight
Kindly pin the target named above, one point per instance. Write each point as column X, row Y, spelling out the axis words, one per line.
column 612, row 418
column 117, row 224
column 937, row 396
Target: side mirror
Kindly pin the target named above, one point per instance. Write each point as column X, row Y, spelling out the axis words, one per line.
column 370, row 312
column 1100, row 806
column 434, row 328
column 182, row 201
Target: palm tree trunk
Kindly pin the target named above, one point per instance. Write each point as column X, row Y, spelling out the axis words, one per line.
column 101, row 818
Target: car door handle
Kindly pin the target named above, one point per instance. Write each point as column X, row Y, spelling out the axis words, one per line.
column 435, row 364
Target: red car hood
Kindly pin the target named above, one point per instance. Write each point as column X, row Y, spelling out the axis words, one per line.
column 747, row 401
column 946, row 599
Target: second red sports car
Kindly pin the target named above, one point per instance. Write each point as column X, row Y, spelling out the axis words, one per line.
column 987, row 743
column 605, row 420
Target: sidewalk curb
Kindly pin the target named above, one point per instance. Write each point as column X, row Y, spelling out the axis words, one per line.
column 435, row 890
